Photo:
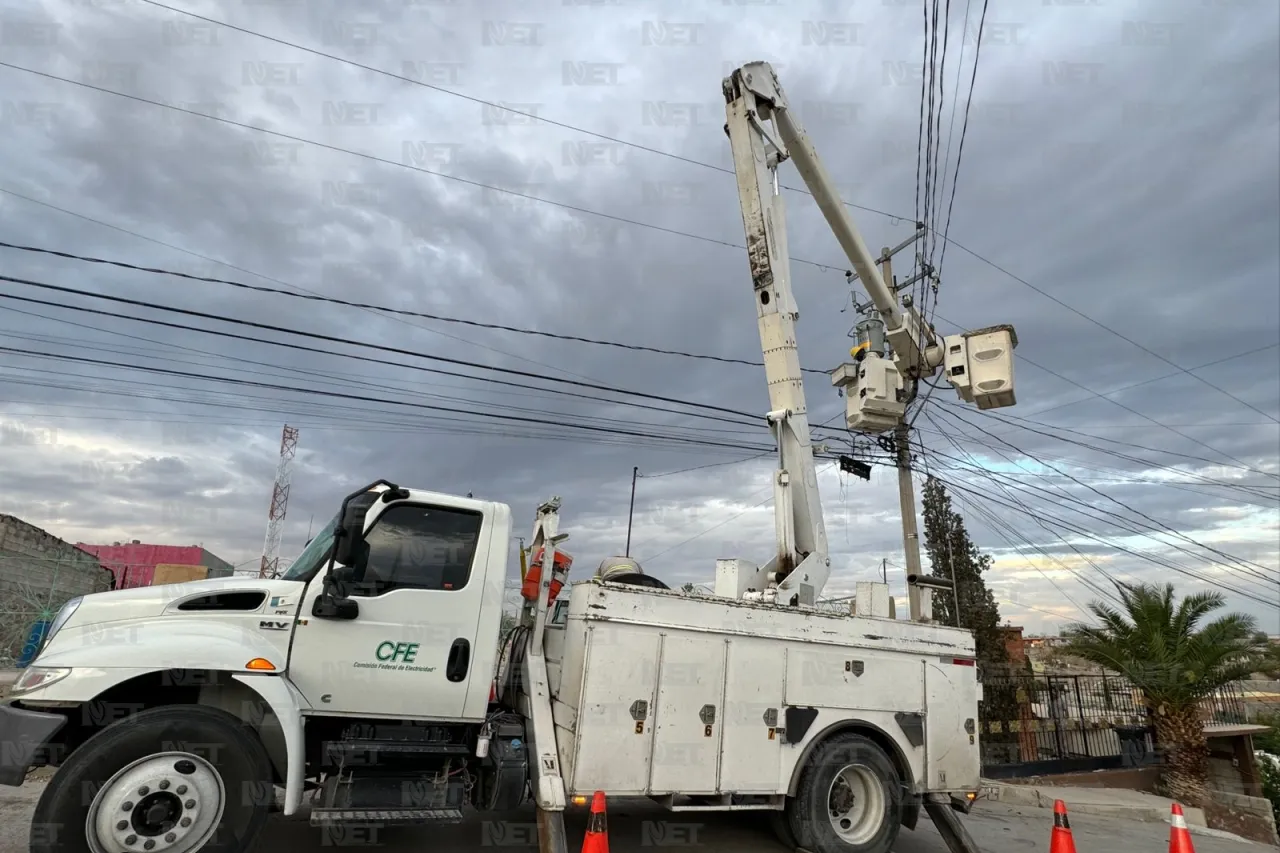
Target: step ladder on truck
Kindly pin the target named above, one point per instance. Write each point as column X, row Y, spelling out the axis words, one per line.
column 361, row 681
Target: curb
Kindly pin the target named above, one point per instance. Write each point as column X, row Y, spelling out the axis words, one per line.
column 1027, row 795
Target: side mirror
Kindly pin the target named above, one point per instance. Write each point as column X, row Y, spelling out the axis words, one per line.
column 351, row 533
column 348, row 552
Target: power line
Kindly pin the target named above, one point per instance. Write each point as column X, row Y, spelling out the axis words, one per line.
column 826, row 267
column 977, row 53
column 1042, row 517
column 751, row 458
column 1097, row 589
column 1253, row 351
column 582, row 210
column 1118, row 334
column 1017, row 422
column 491, row 104
column 404, row 312
column 1244, row 564
column 1129, row 409
column 358, row 397
column 1048, row 518
column 1111, row 474
column 333, row 339
column 296, row 287
column 388, row 162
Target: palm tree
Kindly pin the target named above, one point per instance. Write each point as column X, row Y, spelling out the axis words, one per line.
column 1164, row 651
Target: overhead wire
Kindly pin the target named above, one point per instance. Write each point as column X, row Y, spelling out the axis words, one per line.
column 404, row 312
column 1079, row 531
column 1248, row 567
column 739, row 247
column 338, row 340
column 1117, row 403
column 610, row 216
column 357, row 397
column 1087, row 582
column 1045, row 519
column 410, row 166
column 531, row 116
column 1020, row 423
column 565, row 125
column 977, row 53
column 1120, row 477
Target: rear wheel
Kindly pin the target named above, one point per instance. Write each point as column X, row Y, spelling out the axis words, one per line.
column 849, row 799
column 178, row 779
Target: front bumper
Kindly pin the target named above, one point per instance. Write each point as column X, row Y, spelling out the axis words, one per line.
column 24, row 737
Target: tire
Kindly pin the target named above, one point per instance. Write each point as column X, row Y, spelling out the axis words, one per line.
column 867, row 823
column 218, row 765
column 780, row 824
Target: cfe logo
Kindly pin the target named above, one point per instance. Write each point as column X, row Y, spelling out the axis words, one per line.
column 403, row 652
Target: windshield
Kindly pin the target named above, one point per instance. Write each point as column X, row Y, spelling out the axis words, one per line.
column 314, row 556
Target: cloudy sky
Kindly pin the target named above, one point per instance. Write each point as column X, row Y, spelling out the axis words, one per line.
column 560, row 166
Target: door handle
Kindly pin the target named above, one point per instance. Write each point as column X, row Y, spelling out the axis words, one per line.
column 459, row 660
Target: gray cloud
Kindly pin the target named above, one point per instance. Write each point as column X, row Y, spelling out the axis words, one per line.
column 1120, row 157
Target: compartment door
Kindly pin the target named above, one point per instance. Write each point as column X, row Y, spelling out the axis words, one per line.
column 686, row 745
column 951, row 740
column 615, row 714
column 750, row 761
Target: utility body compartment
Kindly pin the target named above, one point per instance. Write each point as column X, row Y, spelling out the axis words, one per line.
column 657, row 692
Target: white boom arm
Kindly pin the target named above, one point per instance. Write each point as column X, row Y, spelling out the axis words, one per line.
column 801, row 566
column 763, row 133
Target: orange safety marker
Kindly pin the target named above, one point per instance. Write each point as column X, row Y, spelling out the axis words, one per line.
column 1179, row 835
column 1061, row 840
column 597, row 837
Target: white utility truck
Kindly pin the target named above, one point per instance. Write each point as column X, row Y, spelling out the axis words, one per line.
column 363, row 679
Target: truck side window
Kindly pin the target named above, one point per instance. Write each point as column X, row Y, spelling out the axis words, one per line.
column 420, row 547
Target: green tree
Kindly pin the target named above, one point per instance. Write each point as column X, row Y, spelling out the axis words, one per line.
column 1166, row 650
column 952, row 554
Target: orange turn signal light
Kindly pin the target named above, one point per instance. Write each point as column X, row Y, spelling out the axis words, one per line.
column 579, row 800
column 261, row 665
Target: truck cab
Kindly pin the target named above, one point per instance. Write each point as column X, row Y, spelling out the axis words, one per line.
column 375, row 650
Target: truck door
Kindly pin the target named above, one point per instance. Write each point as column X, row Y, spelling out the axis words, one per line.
column 426, row 595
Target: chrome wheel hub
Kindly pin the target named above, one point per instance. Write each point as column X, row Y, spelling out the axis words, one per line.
column 170, row 802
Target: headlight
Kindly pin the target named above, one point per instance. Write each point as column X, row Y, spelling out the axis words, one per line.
column 38, row 676
column 61, row 619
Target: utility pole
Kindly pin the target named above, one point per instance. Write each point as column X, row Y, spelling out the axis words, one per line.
column 884, row 569
column 951, row 561
column 917, row 602
column 635, row 471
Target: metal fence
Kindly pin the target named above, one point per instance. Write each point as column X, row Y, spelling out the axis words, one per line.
column 32, row 591
column 1044, row 724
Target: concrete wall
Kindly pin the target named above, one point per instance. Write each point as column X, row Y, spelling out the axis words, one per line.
column 38, row 573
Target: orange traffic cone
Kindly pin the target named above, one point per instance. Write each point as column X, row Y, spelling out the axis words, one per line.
column 1179, row 835
column 597, row 837
column 1061, row 840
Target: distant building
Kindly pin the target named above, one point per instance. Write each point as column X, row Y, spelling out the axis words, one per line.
column 38, row 574
column 1014, row 645
column 1045, row 642
column 134, row 563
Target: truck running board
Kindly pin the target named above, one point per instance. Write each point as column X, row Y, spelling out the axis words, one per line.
column 384, row 817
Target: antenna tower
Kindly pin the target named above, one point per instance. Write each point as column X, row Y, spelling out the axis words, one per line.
column 279, row 502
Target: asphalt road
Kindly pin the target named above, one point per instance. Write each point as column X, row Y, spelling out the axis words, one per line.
column 640, row 827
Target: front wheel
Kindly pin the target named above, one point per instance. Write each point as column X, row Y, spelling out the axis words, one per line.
column 849, row 799
column 177, row 779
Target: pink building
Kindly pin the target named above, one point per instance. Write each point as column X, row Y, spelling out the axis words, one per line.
column 134, row 564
